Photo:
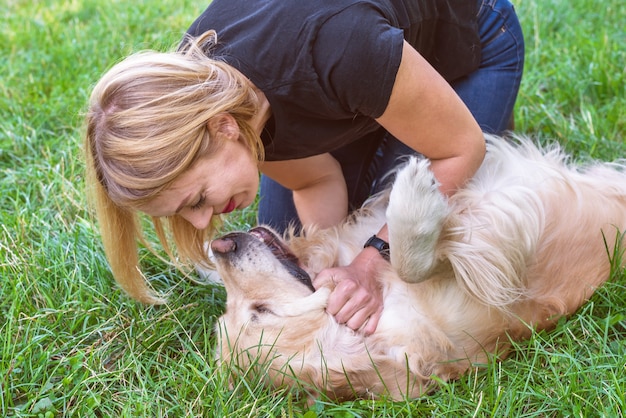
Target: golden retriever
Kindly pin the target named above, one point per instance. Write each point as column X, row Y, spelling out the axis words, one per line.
column 526, row 242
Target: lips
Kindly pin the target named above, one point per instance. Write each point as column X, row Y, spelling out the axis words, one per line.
column 235, row 245
column 274, row 243
column 231, row 206
column 282, row 254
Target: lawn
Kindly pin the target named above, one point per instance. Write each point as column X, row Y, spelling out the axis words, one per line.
column 72, row 344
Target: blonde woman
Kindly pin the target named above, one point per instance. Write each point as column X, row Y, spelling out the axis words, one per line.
column 321, row 97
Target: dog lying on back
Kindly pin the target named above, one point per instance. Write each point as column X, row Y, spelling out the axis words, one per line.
column 522, row 245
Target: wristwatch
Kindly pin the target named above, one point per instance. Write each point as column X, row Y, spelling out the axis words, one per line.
column 381, row 245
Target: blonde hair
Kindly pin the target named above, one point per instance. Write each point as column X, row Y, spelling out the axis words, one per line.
column 145, row 125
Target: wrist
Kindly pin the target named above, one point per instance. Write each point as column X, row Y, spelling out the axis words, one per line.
column 379, row 245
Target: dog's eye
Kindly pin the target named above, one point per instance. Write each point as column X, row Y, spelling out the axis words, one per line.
column 261, row 309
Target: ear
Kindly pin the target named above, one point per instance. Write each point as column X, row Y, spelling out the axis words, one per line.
column 223, row 126
column 317, row 301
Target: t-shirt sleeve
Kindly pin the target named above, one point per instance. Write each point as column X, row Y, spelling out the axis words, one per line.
column 356, row 55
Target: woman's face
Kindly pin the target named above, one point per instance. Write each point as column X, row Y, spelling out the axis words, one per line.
column 226, row 180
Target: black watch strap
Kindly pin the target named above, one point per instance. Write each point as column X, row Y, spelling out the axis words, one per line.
column 381, row 245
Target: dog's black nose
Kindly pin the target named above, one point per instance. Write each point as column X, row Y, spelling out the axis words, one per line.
column 223, row 245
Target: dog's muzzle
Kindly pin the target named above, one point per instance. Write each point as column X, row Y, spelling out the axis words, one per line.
column 231, row 243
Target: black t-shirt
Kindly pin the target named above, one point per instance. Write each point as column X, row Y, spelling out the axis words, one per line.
column 327, row 67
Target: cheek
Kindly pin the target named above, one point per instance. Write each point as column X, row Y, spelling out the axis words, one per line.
column 252, row 179
column 255, row 180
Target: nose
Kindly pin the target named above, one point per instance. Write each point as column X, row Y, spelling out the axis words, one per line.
column 224, row 245
column 200, row 219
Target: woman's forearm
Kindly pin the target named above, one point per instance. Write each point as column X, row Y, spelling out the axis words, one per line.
column 323, row 204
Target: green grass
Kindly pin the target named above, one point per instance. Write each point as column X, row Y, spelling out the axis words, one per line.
column 71, row 344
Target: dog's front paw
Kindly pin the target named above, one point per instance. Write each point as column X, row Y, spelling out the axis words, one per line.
column 415, row 217
column 415, row 178
column 415, row 203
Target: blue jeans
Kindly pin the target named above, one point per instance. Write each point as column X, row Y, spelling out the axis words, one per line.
column 489, row 93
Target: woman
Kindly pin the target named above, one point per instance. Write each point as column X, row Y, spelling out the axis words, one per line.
column 322, row 97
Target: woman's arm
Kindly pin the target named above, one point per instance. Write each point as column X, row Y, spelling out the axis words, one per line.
column 425, row 113
column 321, row 199
column 319, row 188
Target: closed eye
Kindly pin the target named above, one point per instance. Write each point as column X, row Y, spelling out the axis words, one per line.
column 199, row 203
column 258, row 309
column 262, row 309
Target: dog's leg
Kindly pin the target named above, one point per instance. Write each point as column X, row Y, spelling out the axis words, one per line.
column 415, row 217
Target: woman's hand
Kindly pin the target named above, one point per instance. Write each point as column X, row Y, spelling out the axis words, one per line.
column 357, row 299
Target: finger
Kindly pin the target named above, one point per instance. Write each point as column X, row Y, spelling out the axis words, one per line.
column 324, row 278
column 346, row 300
column 355, row 313
column 372, row 323
column 336, row 303
column 357, row 320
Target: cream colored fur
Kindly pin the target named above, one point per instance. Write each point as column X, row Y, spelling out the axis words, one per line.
column 521, row 246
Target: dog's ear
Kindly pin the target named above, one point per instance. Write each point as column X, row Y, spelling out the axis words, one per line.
column 317, row 301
